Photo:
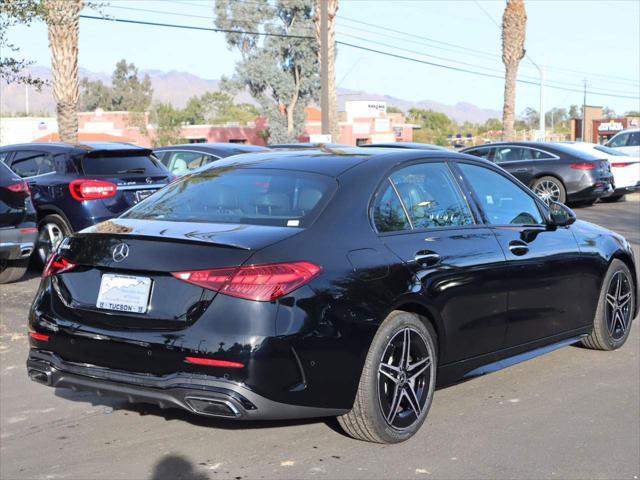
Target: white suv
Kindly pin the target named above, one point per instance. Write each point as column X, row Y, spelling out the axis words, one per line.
column 627, row 141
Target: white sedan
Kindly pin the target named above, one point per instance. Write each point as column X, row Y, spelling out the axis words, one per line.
column 625, row 168
column 627, row 141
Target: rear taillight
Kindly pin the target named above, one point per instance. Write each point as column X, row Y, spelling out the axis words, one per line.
column 583, row 166
column 39, row 336
column 256, row 282
column 19, row 187
column 92, row 189
column 56, row 264
column 621, row 164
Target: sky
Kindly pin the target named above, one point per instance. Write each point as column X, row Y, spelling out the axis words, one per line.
column 575, row 40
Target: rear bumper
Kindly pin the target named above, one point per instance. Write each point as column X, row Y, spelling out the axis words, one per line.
column 627, row 189
column 16, row 244
column 195, row 393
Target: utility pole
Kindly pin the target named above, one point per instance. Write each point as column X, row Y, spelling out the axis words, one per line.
column 584, row 112
column 26, row 99
column 542, row 115
column 324, row 67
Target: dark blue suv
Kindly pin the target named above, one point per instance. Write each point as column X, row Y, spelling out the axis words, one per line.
column 76, row 186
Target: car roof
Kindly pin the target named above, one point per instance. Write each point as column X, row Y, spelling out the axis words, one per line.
column 85, row 146
column 407, row 145
column 553, row 147
column 224, row 147
column 331, row 161
column 309, row 145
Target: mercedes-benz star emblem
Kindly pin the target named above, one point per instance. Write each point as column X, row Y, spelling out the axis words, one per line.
column 149, row 180
column 120, row 252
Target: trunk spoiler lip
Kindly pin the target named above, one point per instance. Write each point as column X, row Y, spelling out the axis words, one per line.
column 186, row 238
column 220, row 235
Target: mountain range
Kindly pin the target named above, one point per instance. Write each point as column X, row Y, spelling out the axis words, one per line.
column 177, row 87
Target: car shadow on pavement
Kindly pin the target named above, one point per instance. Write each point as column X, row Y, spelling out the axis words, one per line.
column 112, row 404
column 174, row 466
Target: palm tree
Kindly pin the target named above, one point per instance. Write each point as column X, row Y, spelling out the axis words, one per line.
column 332, row 8
column 63, row 22
column 514, row 26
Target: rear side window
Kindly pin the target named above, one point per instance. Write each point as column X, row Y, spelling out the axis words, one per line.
column 244, row 196
column 118, row 164
column 31, row 163
column 634, row 139
column 504, row 202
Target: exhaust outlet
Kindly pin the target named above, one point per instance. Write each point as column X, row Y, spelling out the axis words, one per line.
column 213, row 407
column 40, row 377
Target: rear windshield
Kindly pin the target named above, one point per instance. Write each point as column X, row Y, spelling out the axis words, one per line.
column 245, row 196
column 111, row 164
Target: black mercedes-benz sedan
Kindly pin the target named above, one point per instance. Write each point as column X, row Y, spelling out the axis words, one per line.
column 554, row 171
column 315, row 283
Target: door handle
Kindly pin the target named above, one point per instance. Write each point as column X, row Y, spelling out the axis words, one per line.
column 518, row 248
column 427, row 258
column 521, row 170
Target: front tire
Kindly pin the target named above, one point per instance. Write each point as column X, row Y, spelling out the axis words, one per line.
column 616, row 305
column 397, row 383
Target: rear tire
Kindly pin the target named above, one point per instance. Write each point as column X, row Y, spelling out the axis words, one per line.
column 613, row 199
column 51, row 230
column 549, row 189
column 397, row 384
column 616, row 306
column 12, row 270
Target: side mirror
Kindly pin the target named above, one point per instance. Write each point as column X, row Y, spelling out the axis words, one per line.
column 560, row 215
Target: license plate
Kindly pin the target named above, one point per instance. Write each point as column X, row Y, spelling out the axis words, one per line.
column 142, row 194
column 124, row 293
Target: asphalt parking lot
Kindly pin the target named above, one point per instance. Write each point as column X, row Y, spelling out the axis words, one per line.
column 573, row 413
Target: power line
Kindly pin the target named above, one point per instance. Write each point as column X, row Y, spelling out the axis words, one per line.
column 461, row 48
column 351, row 45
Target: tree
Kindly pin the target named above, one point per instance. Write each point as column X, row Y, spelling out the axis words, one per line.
column 332, row 11
column 93, row 95
column 63, row 23
column 126, row 92
column 632, row 113
column 393, row 109
column 492, row 125
column 281, row 72
column 434, row 126
column 575, row 111
column 168, row 121
column 12, row 65
column 531, row 117
column 216, row 108
column 514, row 25
column 608, row 113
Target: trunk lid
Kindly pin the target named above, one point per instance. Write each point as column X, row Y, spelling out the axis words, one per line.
column 154, row 249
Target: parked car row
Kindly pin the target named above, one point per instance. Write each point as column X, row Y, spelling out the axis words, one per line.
column 345, row 282
column 73, row 187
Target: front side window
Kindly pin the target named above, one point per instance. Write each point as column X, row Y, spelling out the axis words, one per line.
column 619, row 140
column 502, row 200
column 242, row 196
column 430, row 196
column 634, row 139
column 31, row 163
